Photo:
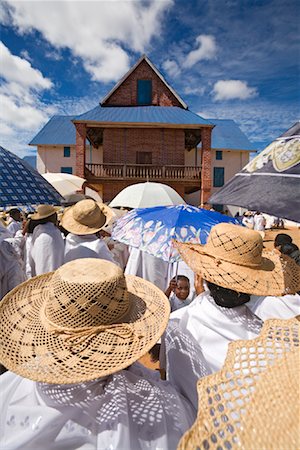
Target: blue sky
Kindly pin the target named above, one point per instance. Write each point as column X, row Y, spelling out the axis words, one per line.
column 233, row 59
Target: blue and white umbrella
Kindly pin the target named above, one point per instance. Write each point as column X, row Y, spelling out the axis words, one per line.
column 153, row 229
column 21, row 185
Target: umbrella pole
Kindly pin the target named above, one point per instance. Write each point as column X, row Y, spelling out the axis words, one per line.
column 177, row 264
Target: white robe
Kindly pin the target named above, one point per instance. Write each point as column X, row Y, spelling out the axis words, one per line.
column 86, row 246
column 148, row 267
column 196, row 341
column 14, row 226
column 130, row 410
column 11, row 273
column 284, row 307
column 47, row 249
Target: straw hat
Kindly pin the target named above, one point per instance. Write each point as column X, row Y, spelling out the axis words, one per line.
column 83, row 321
column 86, row 217
column 233, row 258
column 253, row 402
column 44, row 211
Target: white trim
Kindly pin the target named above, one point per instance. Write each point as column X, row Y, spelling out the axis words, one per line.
column 287, row 175
column 144, row 57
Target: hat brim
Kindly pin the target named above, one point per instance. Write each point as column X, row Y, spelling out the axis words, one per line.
column 70, row 224
column 277, row 275
column 33, row 352
column 37, row 216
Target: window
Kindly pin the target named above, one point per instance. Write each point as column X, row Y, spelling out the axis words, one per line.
column 219, row 154
column 144, row 92
column 143, row 157
column 67, row 152
column 66, row 170
column 218, row 176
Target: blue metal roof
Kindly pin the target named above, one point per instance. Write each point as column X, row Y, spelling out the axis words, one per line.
column 58, row 131
column 228, row 135
column 140, row 114
column 61, row 131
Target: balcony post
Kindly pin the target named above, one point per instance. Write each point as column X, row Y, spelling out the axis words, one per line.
column 80, row 149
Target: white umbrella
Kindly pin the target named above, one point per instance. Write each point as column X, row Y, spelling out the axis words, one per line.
column 64, row 183
column 146, row 195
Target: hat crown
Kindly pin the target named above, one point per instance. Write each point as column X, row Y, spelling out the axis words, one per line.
column 45, row 210
column 87, row 293
column 235, row 244
column 87, row 212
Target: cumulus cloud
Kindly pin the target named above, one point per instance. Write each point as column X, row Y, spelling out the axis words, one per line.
column 233, row 89
column 97, row 32
column 171, row 67
column 207, row 49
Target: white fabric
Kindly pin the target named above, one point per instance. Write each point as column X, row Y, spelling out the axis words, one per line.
column 269, row 307
column 47, row 249
column 148, row 267
column 176, row 303
column 130, row 410
column 86, row 246
column 11, row 273
column 27, row 252
column 14, row 226
column 119, row 251
column 259, row 222
column 196, row 340
column 248, row 221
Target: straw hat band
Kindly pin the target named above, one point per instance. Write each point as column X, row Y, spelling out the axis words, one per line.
column 219, row 260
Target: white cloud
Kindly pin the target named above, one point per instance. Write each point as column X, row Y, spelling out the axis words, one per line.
column 207, row 49
column 233, row 89
column 171, row 67
column 95, row 31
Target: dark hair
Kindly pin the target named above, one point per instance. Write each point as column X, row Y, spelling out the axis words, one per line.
column 227, row 298
column 181, row 277
column 35, row 223
column 282, row 238
column 287, row 249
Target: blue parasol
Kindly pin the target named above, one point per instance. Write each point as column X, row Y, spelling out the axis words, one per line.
column 153, row 229
column 21, row 185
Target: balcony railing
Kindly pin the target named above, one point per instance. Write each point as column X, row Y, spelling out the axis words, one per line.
column 143, row 172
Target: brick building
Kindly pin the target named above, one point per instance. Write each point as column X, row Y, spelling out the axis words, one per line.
column 142, row 130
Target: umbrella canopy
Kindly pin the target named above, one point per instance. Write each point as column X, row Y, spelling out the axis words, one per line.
column 146, row 195
column 270, row 182
column 64, row 183
column 153, row 229
column 21, row 185
column 253, row 402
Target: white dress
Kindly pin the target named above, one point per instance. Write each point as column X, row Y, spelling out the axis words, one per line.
column 130, row 410
column 284, row 307
column 196, row 341
column 86, row 246
column 47, row 249
column 11, row 273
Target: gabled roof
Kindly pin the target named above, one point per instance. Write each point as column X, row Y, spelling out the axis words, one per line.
column 58, row 131
column 142, row 114
column 144, row 58
column 227, row 135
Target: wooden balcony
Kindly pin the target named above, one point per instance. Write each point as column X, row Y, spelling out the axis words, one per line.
column 143, row 172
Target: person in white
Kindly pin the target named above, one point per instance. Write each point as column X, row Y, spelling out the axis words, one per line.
column 83, row 221
column 15, row 221
column 234, row 267
column 270, row 307
column 178, row 292
column 47, row 244
column 69, row 405
column 259, row 223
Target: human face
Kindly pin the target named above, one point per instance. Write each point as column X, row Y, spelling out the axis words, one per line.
column 182, row 289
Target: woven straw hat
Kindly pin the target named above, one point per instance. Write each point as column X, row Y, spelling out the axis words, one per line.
column 233, row 258
column 83, row 321
column 44, row 211
column 253, row 402
column 86, row 217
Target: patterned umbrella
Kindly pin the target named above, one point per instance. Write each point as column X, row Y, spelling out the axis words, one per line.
column 152, row 229
column 21, row 185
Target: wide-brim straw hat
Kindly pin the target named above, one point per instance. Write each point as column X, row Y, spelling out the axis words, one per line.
column 253, row 402
column 83, row 321
column 86, row 217
column 233, row 258
column 44, row 211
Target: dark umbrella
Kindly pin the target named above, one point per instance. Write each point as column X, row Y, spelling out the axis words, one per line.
column 270, row 182
column 21, row 185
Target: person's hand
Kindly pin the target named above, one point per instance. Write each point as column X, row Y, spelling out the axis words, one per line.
column 171, row 287
column 199, row 288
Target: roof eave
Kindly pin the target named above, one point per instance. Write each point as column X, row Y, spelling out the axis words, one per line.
column 94, row 123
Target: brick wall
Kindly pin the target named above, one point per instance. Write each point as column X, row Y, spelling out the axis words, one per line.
column 126, row 94
column 120, row 145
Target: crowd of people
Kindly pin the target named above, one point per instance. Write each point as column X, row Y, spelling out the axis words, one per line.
column 79, row 310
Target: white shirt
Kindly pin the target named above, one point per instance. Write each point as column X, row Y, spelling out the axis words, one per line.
column 176, row 303
column 259, row 222
column 196, row 341
column 284, row 307
column 14, row 226
column 47, row 249
column 11, row 273
column 130, row 410
column 86, row 246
